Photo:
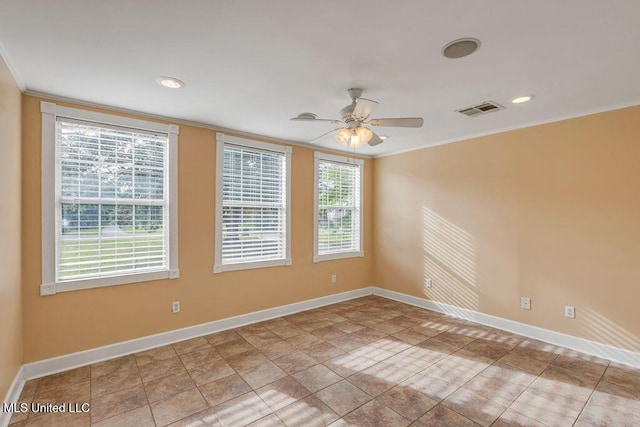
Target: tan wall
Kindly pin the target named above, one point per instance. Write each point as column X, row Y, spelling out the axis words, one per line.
column 10, row 225
column 73, row 321
column 551, row 212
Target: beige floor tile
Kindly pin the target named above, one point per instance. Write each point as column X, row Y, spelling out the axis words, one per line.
column 222, row 337
column 277, row 349
column 511, row 418
column 580, row 365
column 193, row 344
column 161, row 368
column 286, row 332
column 199, row 357
column 246, row 360
column 343, row 397
column 493, row 388
column 475, row 407
column 443, row 416
column 73, row 376
column 177, row 407
column 155, row 355
column 623, row 376
column 328, row 332
column 168, row 386
column 374, row 413
column 233, row 347
column 282, row 393
column 139, row 417
column 303, row 340
column 348, row 364
column 209, row 372
column 263, row 338
column 263, row 374
column 547, row 407
column 317, row 377
column 268, row 421
column 322, row 351
column 295, row 362
column 112, row 404
column 64, row 419
column 125, row 363
column 252, row 329
column 224, row 389
column 406, row 401
column 308, row 412
column 410, row 336
column 241, row 410
column 523, row 362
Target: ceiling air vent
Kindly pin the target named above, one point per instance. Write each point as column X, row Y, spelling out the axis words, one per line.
column 484, row 108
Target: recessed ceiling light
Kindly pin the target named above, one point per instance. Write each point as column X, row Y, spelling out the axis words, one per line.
column 522, row 99
column 170, row 82
column 383, row 137
column 460, row 48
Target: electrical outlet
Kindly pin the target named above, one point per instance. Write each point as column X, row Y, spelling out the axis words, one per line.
column 175, row 307
column 429, row 283
column 525, row 303
column 334, row 279
column 569, row 311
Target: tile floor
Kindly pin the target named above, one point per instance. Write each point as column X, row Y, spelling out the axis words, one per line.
column 365, row 362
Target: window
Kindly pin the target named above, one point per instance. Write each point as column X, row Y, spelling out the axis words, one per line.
column 338, row 207
column 253, row 215
column 109, row 192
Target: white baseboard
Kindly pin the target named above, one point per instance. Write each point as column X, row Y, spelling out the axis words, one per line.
column 13, row 394
column 583, row 345
column 69, row 361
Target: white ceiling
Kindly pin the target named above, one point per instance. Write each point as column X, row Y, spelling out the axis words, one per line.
column 250, row 65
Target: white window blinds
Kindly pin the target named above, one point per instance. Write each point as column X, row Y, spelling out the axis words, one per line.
column 338, row 207
column 112, row 200
column 254, row 222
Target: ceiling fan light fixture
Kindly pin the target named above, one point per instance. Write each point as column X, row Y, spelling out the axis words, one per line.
column 361, row 137
column 343, row 136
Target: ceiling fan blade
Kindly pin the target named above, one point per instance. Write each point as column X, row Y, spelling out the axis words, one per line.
column 302, row 119
column 323, row 136
column 404, row 122
column 311, row 117
column 375, row 140
column 364, row 107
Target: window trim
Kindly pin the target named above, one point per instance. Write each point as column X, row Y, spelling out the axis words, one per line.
column 49, row 196
column 221, row 140
column 318, row 156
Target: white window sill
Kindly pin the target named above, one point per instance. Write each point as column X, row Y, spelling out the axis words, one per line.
column 100, row 282
column 337, row 255
column 221, row 268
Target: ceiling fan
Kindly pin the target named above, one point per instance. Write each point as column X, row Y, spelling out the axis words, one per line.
column 354, row 132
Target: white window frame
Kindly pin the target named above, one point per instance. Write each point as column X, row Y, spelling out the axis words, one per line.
column 221, row 140
column 319, row 156
column 50, row 111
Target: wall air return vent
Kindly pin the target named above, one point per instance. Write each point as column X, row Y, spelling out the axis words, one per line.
column 483, row 108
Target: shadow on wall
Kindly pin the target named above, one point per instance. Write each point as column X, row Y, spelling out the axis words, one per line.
column 596, row 327
column 449, row 260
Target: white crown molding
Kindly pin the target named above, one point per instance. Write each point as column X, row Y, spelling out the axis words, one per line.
column 86, row 357
column 175, row 120
column 557, row 338
column 12, row 69
column 515, row 127
column 13, row 394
